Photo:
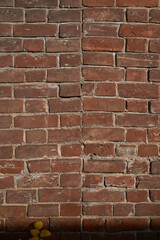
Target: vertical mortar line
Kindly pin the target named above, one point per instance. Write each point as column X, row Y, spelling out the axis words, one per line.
column 81, row 126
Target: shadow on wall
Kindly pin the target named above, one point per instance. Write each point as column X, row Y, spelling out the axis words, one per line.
column 126, row 235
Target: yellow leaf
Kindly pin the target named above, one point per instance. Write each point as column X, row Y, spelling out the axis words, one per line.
column 38, row 225
column 34, row 232
column 45, row 233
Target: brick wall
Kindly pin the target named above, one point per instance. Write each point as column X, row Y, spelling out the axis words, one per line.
column 79, row 118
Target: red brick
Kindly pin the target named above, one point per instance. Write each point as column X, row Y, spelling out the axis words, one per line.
column 70, row 3
column 137, row 45
column 137, row 15
column 70, row 60
column 154, row 15
column 5, row 121
column 36, row 76
column 129, row 224
column 69, row 30
column 103, row 195
column 137, row 196
column 95, row 3
column 105, row 89
column 5, row 31
column 148, row 181
column 36, row 151
column 137, row 60
column 136, row 120
column 97, row 209
column 64, row 105
column 33, row 45
column 138, row 167
column 65, row 224
column 113, row 15
column 43, row 210
column 64, row 75
column 104, row 104
column 154, row 45
column 59, row 195
column 105, row 134
column 36, row 3
column 73, row 150
column 6, row 182
column 1, row 201
column 36, row 136
column 6, row 61
column 72, row 165
column 155, row 223
column 136, row 75
column 99, row 58
column 11, row 45
column 147, row 150
column 12, row 236
column 155, row 108
column 123, row 209
column 143, row 209
column 21, row 196
column 155, row 195
column 11, row 136
column 99, row 149
column 154, row 135
column 88, row 89
column 11, row 167
column 38, row 166
column 70, row 209
column 36, row 121
column 70, row 180
column 139, row 30
column 65, row 45
column 103, row 74
column 136, row 3
column 70, row 90
column 64, row 15
column 137, row 106
column 104, row 166
column 154, row 75
column 119, row 181
column 103, row 44
column 91, row 225
column 5, row 91
column 11, row 106
column 21, row 224
column 11, row 76
column 11, row 15
column 126, row 150
column 93, row 181
column 64, row 135
column 136, row 135
column 33, row 106
column 99, row 29
column 155, row 167
column 34, row 91
column 6, row 3
column 42, row 61
column 12, row 211
column 35, row 30
column 38, row 180
column 98, row 119
column 35, row 15
column 70, row 120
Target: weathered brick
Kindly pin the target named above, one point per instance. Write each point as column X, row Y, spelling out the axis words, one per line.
column 99, row 149
column 136, row 3
column 36, row 3
column 64, row 15
column 35, row 15
column 104, row 166
column 98, row 58
column 66, row 45
column 35, row 30
column 32, row 45
column 114, row 15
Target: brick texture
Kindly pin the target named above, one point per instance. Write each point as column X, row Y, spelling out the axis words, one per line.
column 79, row 118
